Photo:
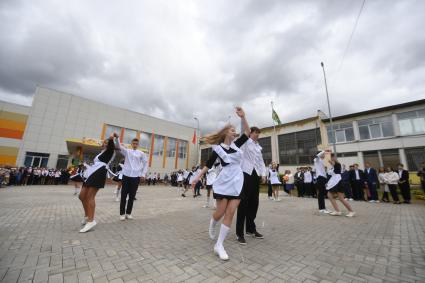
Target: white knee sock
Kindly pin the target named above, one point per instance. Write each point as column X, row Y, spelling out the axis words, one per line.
column 213, row 223
column 224, row 230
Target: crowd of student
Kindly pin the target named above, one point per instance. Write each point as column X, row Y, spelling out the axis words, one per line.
column 25, row 176
column 359, row 185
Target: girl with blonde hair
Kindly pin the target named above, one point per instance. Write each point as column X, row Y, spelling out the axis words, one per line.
column 227, row 186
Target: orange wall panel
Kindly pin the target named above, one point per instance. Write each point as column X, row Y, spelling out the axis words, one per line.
column 11, row 134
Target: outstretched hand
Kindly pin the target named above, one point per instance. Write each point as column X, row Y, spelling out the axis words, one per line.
column 240, row 112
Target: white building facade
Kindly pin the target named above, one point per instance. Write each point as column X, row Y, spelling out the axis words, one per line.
column 64, row 129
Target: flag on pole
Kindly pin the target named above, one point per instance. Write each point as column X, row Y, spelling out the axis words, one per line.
column 194, row 137
column 275, row 117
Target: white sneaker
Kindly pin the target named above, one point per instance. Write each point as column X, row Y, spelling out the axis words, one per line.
column 371, row 201
column 117, row 199
column 324, row 211
column 206, row 206
column 122, row 217
column 88, row 226
column 84, row 221
column 350, row 199
column 128, row 216
column 351, row 214
column 336, row 213
column 221, row 252
column 277, row 199
column 377, row 201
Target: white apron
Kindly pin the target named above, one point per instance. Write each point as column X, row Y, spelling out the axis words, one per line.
column 274, row 177
column 230, row 180
column 97, row 164
column 334, row 180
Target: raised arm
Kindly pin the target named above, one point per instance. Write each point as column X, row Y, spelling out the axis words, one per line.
column 241, row 113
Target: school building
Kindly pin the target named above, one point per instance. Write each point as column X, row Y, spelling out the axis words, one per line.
column 61, row 129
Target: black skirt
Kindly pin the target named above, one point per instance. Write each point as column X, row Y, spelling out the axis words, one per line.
column 218, row 196
column 97, row 179
column 338, row 188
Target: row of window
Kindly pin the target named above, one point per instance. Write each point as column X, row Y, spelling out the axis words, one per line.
column 410, row 123
column 172, row 146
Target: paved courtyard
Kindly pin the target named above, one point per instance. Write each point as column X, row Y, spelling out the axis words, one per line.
column 168, row 241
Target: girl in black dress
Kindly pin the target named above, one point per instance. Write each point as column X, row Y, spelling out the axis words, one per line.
column 96, row 177
column 334, row 186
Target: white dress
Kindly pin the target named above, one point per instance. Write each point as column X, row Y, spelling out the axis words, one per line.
column 274, row 177
column 230, row 180
column 212, row 175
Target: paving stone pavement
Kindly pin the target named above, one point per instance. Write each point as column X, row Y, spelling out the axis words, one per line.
column 168, row 241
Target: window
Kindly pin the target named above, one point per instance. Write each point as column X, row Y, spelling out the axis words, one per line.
column 158, row 148
column 266, row 144
column 182, row 149
column 371, row 157
column 171, row 147
column 415, row 156
column 298, row 148
column 62, row 162
column 36, row 159
column 412, row 123
column 348, row 154
column 376, row 128
column 342, row 133
column 112, row 129
column 390, row 158
column 145, row 141
column 129, row 135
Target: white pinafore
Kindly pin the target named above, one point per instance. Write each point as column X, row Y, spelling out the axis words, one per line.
column 97, row 164
column 230, row 180
column 334, row 180
column 274, row 177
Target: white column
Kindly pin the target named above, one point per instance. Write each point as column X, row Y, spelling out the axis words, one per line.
column 403, row 159
column 356, row 131
column 396, row 126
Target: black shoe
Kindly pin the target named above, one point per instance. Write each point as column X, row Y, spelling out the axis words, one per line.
column 183, row 195
column 241, row 240
column 255, row 235
column 406, row 201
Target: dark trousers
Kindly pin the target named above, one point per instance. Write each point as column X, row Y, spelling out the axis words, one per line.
column 129, row 187
column 248, row 207
column 357, row 187
column 300, row 188
column 372, row 190
column 269, row 189
column 321, row 191
column 307, row 189
column 347, row 189
column 423, row 186
column 393, row 191
column 405, row 191
column 198, row 186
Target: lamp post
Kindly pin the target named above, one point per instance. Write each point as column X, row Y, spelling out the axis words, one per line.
column 329, row 109
column 198, row 141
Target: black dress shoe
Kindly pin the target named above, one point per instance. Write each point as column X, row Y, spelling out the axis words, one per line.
column 241, row 240
column 256, row 235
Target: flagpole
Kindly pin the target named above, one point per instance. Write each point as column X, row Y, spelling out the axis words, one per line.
column 276, row 139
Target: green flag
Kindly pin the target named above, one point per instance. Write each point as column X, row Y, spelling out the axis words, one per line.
column 275, row 117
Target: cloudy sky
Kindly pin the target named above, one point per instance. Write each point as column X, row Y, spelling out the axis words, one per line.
column 177, row 59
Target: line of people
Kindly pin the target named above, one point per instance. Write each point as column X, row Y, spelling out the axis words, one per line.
column 27, row 176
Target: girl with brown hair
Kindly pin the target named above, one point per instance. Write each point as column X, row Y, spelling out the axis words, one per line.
column 227, row 186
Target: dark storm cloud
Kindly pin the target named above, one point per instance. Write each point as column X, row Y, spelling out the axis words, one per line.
column 177, row 60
